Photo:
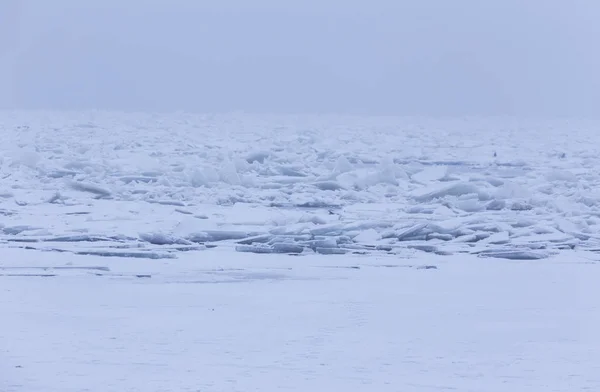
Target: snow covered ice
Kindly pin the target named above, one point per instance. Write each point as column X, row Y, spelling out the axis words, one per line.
column 154, row 252
column 226, row 321
column 154, row 183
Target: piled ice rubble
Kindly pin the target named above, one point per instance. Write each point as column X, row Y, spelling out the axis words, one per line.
column 428, row 186
column 462, row 235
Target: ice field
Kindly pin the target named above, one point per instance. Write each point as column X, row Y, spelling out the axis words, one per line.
column 242, row 252
column 225, row 321
column 151, row 186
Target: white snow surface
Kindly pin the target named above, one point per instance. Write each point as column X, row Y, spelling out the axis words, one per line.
column 148, row 252
column 224, row 321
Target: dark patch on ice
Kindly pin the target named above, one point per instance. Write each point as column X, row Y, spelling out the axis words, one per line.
column 176, row 203
column 245, row 275
column 457, row 163
column 61, row 173
column 84, row 268
column 523, row 223
column 44, row 249
column 521, row 206
column 136, row 255
column 566, row 246
column 53, row 250
column 354, row 267
column 328, row 186
column 331, row 251
column 261, row 249
column 29, row 275
column 151, row 173
column 427, row 267
column 420, row 267
column 193, row 248
column 95, row 268
column 439, row 236
column 80, row 238
column 23, row 240
column 14, row 230
column 317, row 204
column 513, row 254
column 495, row 205
column 209, row 281
column 147, row 276
column 91, row 188
column 238, row 277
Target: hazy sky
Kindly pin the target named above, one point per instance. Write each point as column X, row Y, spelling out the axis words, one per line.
column 436, row 57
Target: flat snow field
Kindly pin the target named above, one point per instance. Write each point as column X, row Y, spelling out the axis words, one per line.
column 225, row 321
column 147, row 252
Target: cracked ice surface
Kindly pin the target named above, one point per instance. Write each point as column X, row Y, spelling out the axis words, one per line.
column 148, row 185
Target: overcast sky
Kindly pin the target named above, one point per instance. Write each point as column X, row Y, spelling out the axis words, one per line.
column 406, row 57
